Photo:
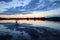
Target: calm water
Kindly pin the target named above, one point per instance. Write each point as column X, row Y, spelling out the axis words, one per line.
column 34, row 23
column 29, row 30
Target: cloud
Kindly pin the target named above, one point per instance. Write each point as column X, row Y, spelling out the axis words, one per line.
column 25, row 6
column 17, row 10
column 6, row 0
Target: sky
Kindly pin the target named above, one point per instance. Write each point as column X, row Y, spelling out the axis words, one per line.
column 30, row 7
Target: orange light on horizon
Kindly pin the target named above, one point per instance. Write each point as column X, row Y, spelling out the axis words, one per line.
column 21, row 16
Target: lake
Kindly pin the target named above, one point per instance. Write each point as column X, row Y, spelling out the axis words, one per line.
column 29, row 30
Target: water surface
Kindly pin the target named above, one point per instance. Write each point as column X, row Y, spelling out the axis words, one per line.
column 29, row 30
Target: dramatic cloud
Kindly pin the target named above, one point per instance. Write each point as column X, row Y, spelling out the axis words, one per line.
column 25, row 6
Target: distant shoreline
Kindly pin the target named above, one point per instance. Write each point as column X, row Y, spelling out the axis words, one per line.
column 22, row 18
column 42, row 18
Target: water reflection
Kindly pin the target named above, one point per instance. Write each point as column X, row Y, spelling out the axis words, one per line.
column 29, row 30
column 35, row 23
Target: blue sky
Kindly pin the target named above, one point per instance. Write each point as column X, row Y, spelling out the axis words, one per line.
column 28, row 6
